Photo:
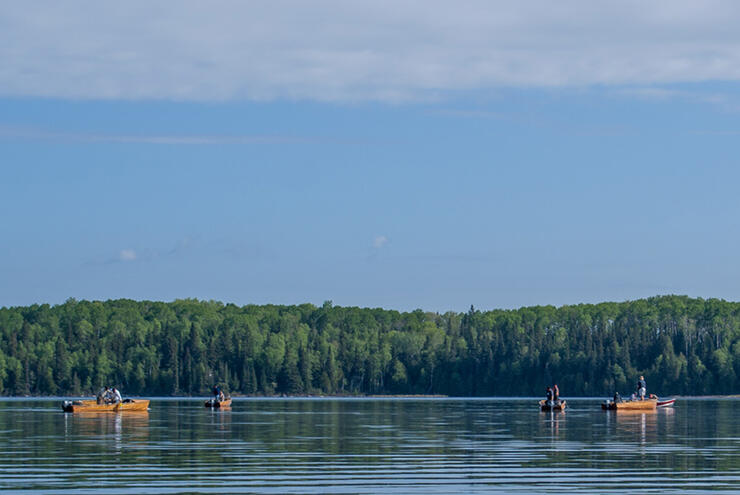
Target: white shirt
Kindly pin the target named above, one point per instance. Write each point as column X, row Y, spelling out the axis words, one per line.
column 117, row 395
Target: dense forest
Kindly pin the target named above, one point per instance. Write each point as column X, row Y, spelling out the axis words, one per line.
column 681, row 345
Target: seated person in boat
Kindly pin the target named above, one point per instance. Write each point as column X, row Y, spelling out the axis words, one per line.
column 617, row 398
column 218, row 394
column 548, row 394
column 116, row 396
column 108, row 396
column 103, row 394
column 641, row 387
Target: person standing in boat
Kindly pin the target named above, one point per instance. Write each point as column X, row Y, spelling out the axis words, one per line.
column 555, row 393
column 218, row 395
column 641, row 388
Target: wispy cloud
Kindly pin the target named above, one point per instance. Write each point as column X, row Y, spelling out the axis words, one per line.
column 653, row 93
column 380, row 241
column 471, row 114
column 378, row 245
column 357, row 51
column 130, row 255
column 180, row 246
column 13, row 132
column 667, row 94
column 127, row 255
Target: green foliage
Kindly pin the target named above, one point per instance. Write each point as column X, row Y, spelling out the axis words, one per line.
column 681, row 345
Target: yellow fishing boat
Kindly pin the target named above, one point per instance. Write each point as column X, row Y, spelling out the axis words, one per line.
column 215, row 404
column 93, row 406
column 630, row 405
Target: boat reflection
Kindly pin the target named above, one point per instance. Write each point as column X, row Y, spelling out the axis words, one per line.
column 641, row 423
column 552, row 421
column 132, row 424
column 221, row 417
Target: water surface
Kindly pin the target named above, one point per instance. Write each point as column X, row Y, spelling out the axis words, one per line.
column 370, row 446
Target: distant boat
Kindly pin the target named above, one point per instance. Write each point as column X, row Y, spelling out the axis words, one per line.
column 77, row 406
column 216, row 404
column 665, row 402
column 549, row 405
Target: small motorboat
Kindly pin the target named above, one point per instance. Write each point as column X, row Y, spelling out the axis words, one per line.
column 630, row 405
column 552, row 405
column 665, row 402
column 216, row 404
column 76, row 406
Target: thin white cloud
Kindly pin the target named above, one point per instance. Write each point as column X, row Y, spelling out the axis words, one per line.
column 15, row 132
column 364, row 50
column 127, row 255
column 380, row 241
column 666, row 94
column 471, row 114
column 654, row 93
column 144, row 255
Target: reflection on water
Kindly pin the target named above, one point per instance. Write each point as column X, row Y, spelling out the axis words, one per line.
column 371, row 446
column 637, row 424
column 106, row 428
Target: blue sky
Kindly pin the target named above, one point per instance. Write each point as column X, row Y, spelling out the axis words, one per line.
column 337, row 169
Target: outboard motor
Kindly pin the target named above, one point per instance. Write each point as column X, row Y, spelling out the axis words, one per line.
column 67, row 406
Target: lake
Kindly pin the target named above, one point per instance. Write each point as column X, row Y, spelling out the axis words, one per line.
column 371, row 446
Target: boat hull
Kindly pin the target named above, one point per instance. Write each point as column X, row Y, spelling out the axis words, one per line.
column 630, row 405
column 215, row 404
column 665, row 403
column 93, row 406
column 547, row 406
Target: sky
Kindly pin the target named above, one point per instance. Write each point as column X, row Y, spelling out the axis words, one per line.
column 401, row 154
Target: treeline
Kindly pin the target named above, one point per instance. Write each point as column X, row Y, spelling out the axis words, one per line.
column 681, row 345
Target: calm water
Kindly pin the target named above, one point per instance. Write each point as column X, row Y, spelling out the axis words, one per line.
column 370, row 446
